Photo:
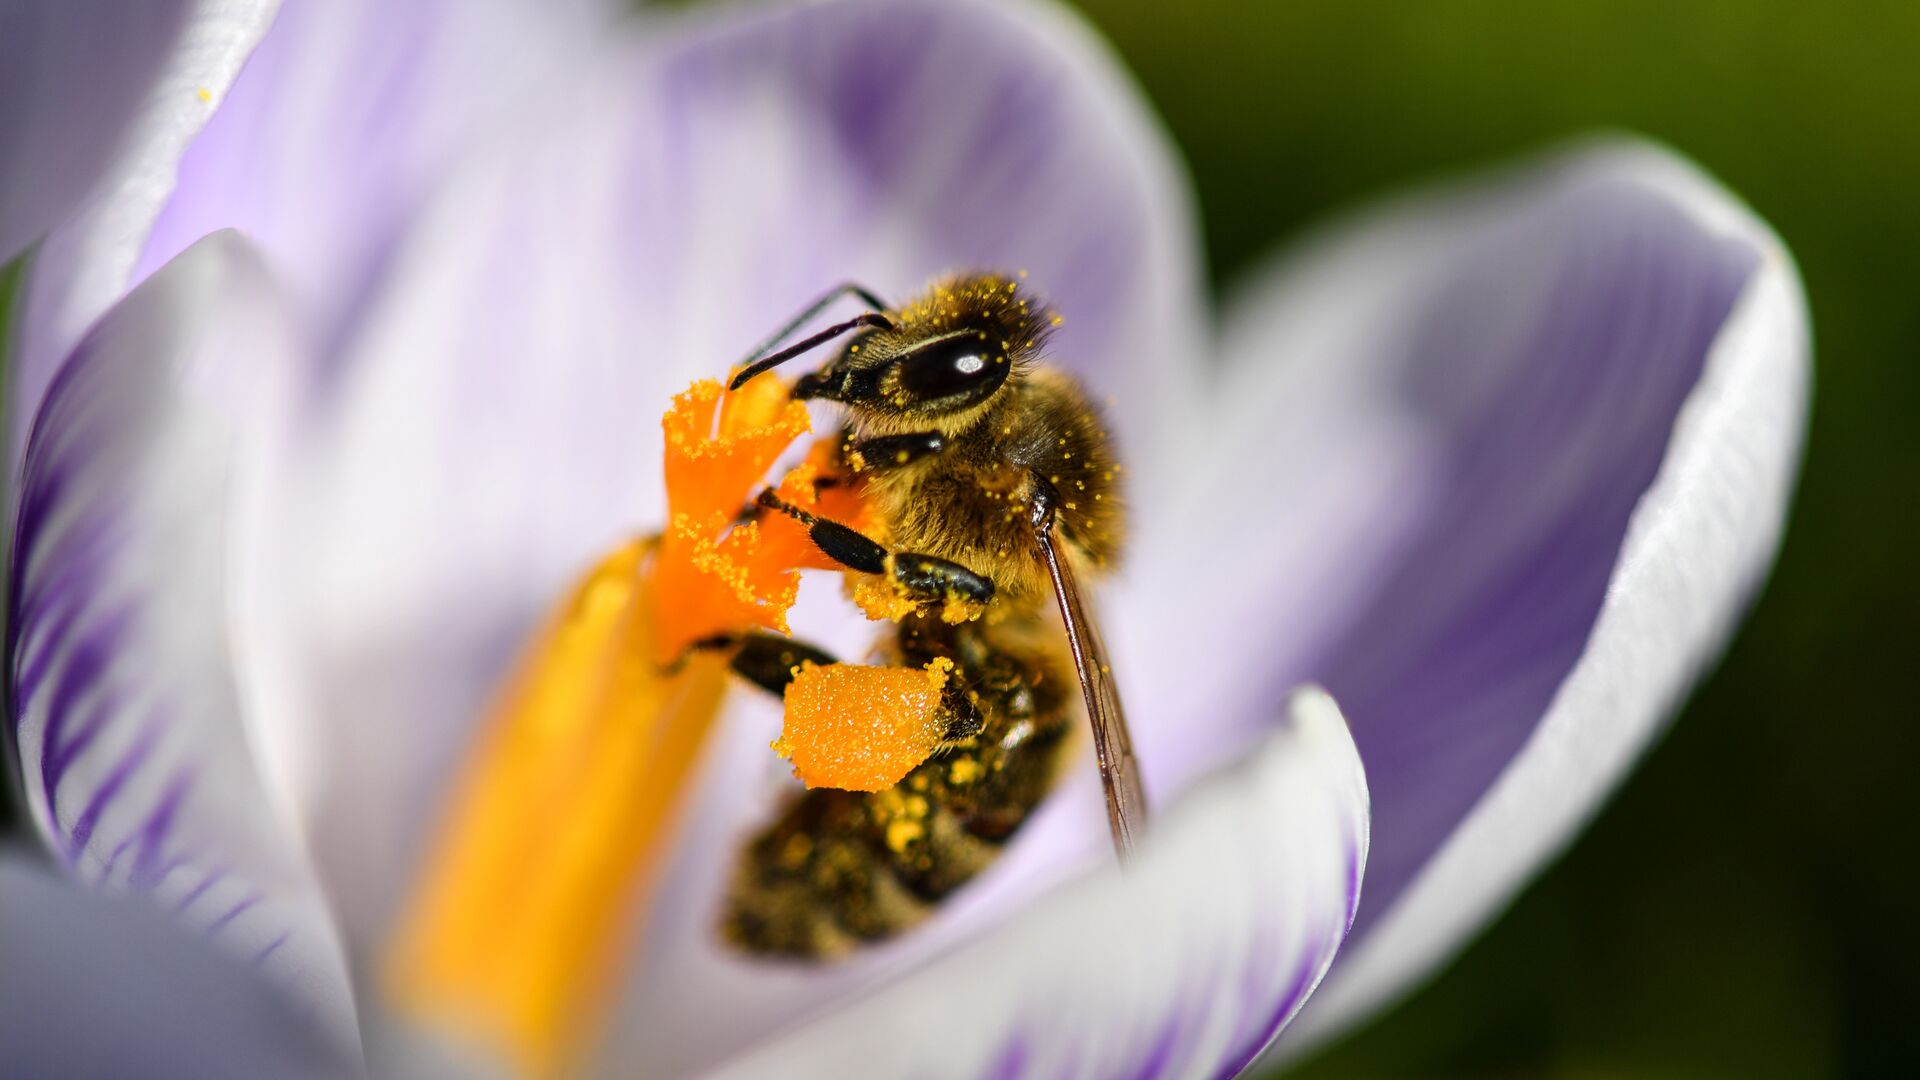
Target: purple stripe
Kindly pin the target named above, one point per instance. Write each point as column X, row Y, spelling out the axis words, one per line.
column 109, row 789
column 1253, row 1039
column 1012, row 1062
column 1256, row 986
column 58, row 759
column 40, row 494
column 1356, row 870
column 27, row 675
column 214, row 876
column 87, row 662
column 148, row 871
column 261, row 956
column 233, row 913
column 43, row 475
column 1295, row 996
column 113, row 860
column 90, row 542
column 149, row 839
column 1157, row 1058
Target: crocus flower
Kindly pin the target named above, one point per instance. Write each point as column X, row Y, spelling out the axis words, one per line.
column 337, row 356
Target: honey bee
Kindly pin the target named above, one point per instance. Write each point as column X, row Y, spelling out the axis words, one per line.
column 996, row 487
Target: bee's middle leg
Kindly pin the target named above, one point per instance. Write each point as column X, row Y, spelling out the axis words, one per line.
column 923, row 577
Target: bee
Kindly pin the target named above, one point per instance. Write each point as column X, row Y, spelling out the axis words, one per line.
column 996, row 488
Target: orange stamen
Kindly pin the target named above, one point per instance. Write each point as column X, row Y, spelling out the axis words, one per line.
column 711, row 474
column 715, row 579
column 515, row 928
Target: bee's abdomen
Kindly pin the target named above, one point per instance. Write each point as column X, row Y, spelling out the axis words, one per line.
column 837, row 869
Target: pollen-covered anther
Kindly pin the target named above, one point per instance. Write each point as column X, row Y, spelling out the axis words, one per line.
column 709, row 588
column 719, row 445
column 714, row 577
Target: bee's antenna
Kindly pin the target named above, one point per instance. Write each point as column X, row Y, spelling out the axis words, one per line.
column 870, row 318
column 755, row 363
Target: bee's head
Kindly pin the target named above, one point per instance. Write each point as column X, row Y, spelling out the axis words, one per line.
column 909, row 373
column 945, row 354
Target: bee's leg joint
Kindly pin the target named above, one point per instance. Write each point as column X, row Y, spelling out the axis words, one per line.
column 769, row 661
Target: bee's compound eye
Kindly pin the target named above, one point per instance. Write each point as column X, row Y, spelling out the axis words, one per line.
column 962, row 365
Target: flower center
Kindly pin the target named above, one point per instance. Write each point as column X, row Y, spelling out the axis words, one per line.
column 549, row 844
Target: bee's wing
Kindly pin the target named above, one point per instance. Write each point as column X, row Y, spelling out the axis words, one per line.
column 1119, row 773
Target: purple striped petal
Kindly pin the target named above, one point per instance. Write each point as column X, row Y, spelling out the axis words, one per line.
column 496, row 420
column 100, row 100
column 1531, row 441
column 72, row 78
column 137, row 756
column 1187, row 963
column 104, row 987
column 347, row 115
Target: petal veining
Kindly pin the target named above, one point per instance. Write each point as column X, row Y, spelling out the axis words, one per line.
column 1698, row 541
column 1466, row 404
column 135, row 754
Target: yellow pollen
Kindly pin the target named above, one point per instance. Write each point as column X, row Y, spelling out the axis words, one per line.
column 861, row 728
column 203, row 93
column 902, row 833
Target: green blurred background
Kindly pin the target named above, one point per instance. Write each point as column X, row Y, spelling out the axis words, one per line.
column 1745, row 905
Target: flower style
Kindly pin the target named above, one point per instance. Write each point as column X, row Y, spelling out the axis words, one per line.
column 337, row 355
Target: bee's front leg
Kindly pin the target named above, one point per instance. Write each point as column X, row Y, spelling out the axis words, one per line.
column 884, row 452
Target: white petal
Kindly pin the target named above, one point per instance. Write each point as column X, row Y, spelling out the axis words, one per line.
column 1503, row 675
column 348, row 114
column 1185, row 964
column 82, row 267
column 72, row 76
column 135, row 754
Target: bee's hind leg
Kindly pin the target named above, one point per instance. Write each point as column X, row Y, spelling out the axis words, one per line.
column 770, row 662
